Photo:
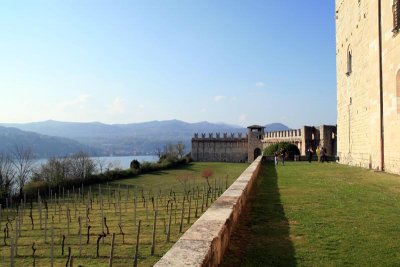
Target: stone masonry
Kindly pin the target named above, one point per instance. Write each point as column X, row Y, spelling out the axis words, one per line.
column 358, row 57
column 235, row 148
column 303, row 138
column 205, row 242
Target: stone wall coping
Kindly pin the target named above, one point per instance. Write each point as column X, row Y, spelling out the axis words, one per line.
column 204, row 243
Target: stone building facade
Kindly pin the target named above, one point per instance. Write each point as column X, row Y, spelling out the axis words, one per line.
column 228, row 148
column 303, row 138
column 238, row 148
column 368, row 83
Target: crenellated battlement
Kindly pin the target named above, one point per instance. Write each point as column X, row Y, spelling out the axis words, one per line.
column 219, row 136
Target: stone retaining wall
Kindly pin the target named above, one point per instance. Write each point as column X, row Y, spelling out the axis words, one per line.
column 204, row 243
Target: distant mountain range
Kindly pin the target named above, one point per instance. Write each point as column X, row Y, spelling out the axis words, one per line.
column 43, row 146
column 117, row 139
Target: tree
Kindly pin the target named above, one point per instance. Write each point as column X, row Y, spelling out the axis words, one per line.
column 80, row 166
column 206, row 174
column 181, row 149
column 135, row 164
column 159, row 153
column 7, row 175
column 184, row 179
column 23, row 161
column 53, row 171
column 101, row 164
column 291, row 149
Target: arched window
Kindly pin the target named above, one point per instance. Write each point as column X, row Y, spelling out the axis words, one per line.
column 398, row 91
column 396, row 15
column 349, row 62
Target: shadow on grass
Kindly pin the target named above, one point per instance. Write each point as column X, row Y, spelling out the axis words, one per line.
column 262, row 238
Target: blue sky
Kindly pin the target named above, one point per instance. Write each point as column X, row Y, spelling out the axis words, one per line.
column 238, row 62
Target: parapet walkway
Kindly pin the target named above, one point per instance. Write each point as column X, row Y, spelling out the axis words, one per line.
column 205, row 242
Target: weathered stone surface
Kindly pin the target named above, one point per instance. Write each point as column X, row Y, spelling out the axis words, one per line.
column 187, row 253
column 204, row 243
column 206, row 230
column 228, row 148
column 358, row 90
column 303, row 138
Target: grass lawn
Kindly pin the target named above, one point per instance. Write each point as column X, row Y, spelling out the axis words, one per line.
column 149, row 191
column 317, row 214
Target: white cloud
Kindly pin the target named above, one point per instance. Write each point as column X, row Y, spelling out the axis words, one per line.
column 219, row 98
column 203, row 110
column 260, row 84
column 117, row 106
column 77, row 102
column 141, row 107
column 242, row 117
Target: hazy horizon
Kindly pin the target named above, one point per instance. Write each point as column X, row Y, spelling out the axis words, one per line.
column 239, row 63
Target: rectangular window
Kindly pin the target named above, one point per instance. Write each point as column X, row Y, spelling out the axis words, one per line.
column 396, row 15
column 349, row 63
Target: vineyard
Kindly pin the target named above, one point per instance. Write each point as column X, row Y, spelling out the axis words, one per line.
column 127, row 222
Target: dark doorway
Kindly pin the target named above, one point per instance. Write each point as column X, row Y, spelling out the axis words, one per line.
column 257, row 152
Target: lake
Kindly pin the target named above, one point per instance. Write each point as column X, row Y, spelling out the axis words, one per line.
column 122, row 162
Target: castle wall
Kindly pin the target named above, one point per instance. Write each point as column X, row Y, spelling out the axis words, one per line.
column 358, row 93
column 217, row 149
column 391, row 89
column 235, row 148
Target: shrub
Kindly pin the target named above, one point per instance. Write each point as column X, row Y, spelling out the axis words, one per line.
column 42, row 185
column 291, row 149
column 31, row 188
column 135, row 165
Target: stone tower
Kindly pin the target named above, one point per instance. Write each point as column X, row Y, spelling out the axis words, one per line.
column 255, row 135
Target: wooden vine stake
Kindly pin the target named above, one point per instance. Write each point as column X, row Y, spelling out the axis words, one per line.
column 68, row 220
column 190, row 207
column 40, row 213
column 182, row 213
column 134, row 210
column 45, row 225
column 52, row 246
column 16, row 237
column 169, row 224
column 202, row 201
column 80, row 236
column 135, row 258
column 197, row 206
column 147, row 208
column 119, row 209
column 215, row 189
column 110, row 260
column 207, row 195
column 102, row 212
column 12, row 252
column 153, row 240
